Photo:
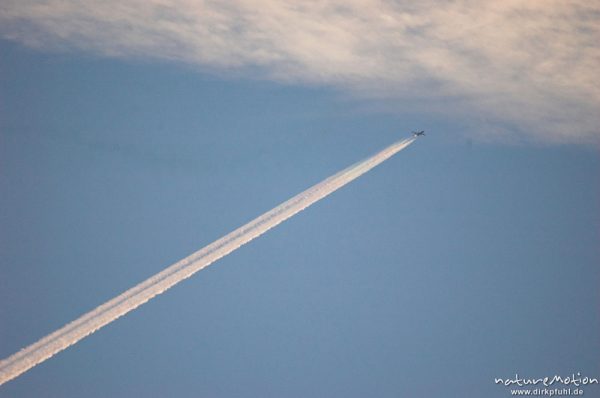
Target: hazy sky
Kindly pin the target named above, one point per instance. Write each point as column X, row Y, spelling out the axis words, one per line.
column 134, row 133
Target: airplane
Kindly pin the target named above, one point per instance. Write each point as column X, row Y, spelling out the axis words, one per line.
column 418, row 133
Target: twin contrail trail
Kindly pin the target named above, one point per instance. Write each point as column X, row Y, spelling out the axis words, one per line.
column 71, row 333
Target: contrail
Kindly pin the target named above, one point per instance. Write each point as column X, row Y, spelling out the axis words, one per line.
column 71, row 333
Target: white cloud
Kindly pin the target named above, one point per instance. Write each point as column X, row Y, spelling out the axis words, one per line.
column 530, row 65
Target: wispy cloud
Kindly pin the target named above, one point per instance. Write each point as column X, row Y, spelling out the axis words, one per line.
column 520, row 66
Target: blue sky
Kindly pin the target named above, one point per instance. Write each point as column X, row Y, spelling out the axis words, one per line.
column 473, row 254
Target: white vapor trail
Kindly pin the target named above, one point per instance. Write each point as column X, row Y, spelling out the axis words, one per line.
column 71, row 333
